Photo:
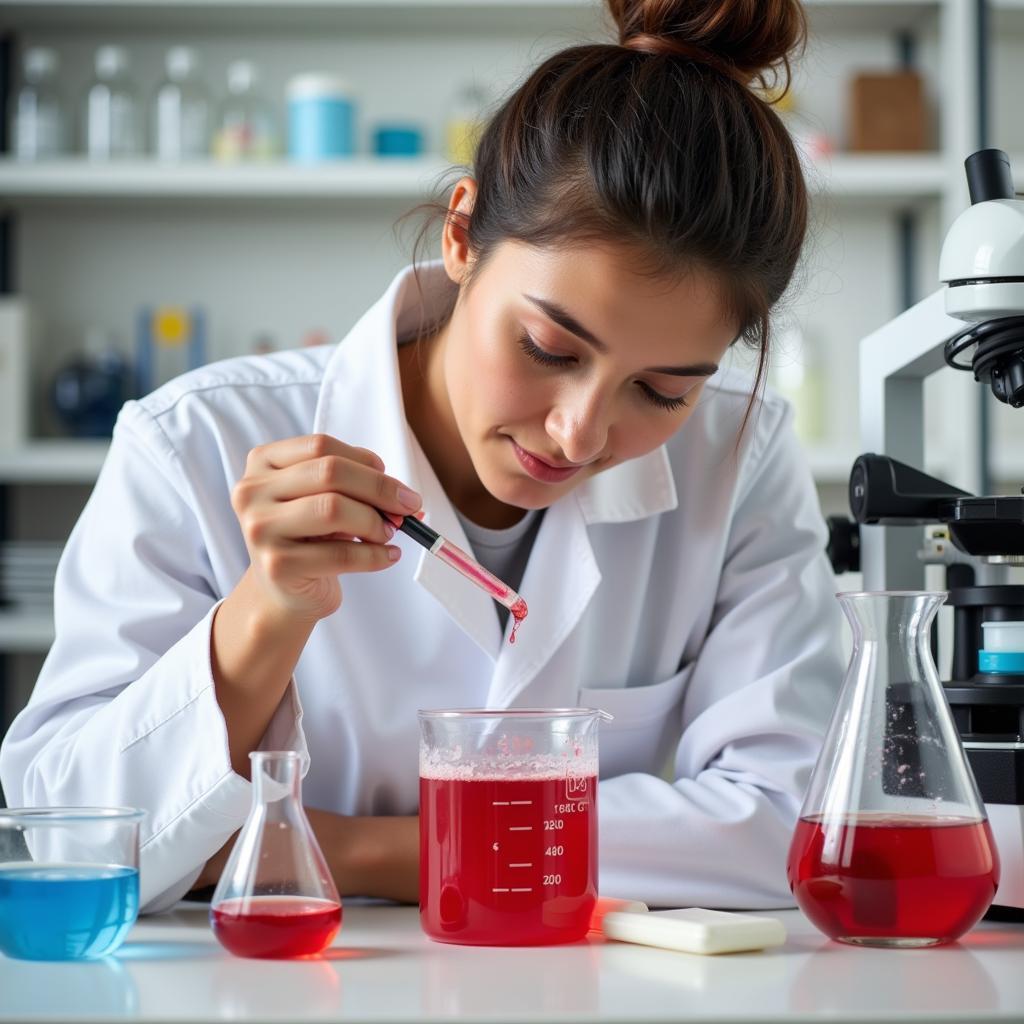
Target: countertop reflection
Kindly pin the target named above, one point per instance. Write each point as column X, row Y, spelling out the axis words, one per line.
column 382, row 968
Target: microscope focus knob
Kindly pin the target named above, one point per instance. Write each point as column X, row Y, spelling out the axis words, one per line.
column 843, row 548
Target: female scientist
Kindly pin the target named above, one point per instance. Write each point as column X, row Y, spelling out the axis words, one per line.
column 548, row 394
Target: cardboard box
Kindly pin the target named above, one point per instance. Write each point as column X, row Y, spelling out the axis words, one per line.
column 888, row 112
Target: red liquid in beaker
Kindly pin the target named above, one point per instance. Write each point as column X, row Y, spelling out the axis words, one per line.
column 881, row 877
column 508, row 862
column 275, row 926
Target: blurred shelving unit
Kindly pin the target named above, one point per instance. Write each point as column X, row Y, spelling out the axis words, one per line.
column 881, row 179
column 53, row 462
column 26, row 632
column 278, row 247
column 80, row 179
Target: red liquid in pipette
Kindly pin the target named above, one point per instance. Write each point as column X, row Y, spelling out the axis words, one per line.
column 893, row 877
column 276, row 927
column 519, row 612
column 459, row 560
column 532, row 840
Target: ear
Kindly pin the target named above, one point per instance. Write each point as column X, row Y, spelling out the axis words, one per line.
column 455, row 237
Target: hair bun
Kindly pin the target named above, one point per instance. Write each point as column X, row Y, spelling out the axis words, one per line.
column 747, row 39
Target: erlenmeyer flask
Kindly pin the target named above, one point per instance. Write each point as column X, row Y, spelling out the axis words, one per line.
column 276, row 897
column 893, row 847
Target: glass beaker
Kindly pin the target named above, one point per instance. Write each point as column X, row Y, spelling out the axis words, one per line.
column 508, row 825
column 276, row 897
column 893, row 847
column 69, row 880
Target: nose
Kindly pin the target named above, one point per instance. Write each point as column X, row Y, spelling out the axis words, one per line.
column 578, row 424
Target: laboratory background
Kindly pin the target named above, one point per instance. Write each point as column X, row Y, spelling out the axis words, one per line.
column 186, row 182
column 182, row 183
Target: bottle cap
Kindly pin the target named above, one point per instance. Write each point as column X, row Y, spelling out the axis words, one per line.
column 180, row 62
column 1004, row 636
column 111, row 61
column 39, row 61
column 241, row 76
column 316, row 84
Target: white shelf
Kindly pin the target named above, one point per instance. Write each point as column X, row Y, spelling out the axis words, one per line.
column 26, row 632
column 883, row 177
column 78, row 178
column 434, row 16
column 57, row 461
column 843, row 176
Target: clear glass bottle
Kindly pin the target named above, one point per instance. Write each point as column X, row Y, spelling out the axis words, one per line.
column 112, row 124
column 38, row 114
column 276, row 898
column 181, row 109
column 246, row 128
column 893, row 847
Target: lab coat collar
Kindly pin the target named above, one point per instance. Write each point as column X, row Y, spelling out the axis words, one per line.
column 361, row 403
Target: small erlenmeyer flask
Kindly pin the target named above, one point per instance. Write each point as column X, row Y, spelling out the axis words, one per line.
column 893, row 847
column 276, row 897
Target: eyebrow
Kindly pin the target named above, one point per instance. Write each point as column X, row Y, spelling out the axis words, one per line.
column 566, row 320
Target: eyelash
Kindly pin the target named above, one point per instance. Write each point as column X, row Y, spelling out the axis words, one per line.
column 538, row 355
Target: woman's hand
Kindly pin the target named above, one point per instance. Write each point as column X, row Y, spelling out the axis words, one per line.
column 308, row 508
column 376, row 857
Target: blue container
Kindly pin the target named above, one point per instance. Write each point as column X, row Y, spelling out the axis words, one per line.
column 69, row 880
column 1001, row 662
column 321, row 119
column 397, row 140
column 66, row 912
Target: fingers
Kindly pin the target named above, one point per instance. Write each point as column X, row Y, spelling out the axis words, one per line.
column 323, row 515
column 320, row 557
column 341, row 475
column 292, row 450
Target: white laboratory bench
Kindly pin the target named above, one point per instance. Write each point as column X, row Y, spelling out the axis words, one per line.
column 383, row 969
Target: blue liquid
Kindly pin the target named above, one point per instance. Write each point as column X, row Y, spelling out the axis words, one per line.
column 65, row 911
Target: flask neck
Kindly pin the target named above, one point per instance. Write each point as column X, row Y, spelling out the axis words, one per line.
column 895, row 620
column 276, row 780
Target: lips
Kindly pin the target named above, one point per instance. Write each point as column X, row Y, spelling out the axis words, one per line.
column 537, row 468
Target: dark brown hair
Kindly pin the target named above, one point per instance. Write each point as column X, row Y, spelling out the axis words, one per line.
column 662, row 144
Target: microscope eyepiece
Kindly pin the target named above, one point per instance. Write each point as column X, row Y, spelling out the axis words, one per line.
column 989, row 176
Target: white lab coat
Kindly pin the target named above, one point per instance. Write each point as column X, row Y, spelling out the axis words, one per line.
column 686, row 592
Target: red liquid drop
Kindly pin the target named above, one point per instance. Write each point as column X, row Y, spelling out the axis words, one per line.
column 275, row 926
column 519, row 612
column 888, row 878
column 480, row 836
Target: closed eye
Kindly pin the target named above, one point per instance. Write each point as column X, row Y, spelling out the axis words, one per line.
column 538, row 355
column 662, row 401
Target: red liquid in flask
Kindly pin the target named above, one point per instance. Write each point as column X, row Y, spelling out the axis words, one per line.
column 276, row 926
column 508, row 862
column 887, row 878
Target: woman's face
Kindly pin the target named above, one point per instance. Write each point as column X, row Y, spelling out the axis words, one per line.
column 558, row 365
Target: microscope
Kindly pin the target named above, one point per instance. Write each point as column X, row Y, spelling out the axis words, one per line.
column 979, row 539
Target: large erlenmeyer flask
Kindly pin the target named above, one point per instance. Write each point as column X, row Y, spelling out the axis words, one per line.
column 276, row 897
column 893, row 847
